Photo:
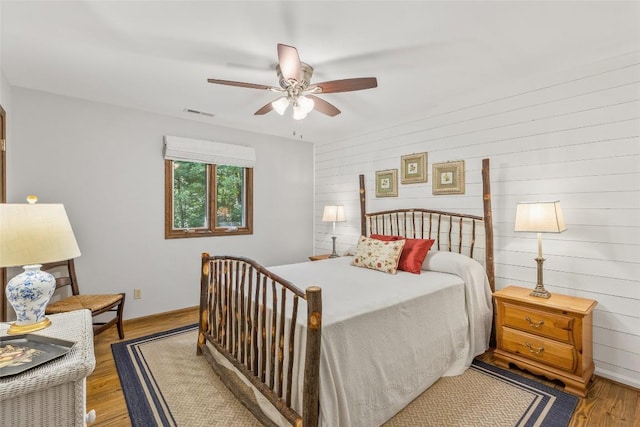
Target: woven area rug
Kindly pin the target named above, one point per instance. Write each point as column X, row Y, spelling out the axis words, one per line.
column 166, row 384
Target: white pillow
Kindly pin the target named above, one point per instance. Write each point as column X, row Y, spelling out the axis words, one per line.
column 447, row 262
column 454, row 263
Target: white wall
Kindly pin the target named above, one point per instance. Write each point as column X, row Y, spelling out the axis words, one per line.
column 5, row 89
column 105, row 164
column 572, row 136
column 6, row 103
column 5, row 93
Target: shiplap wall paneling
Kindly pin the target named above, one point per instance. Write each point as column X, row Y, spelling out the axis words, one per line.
column 572, row 136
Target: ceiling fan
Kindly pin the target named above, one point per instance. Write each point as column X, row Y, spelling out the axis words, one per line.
column 296, row 88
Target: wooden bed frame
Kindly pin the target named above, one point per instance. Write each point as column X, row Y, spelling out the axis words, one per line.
column 252, row 337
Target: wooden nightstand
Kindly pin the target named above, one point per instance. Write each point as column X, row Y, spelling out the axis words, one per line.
column 550, row 337
column 319, row 257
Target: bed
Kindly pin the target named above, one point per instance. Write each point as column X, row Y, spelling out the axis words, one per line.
column 328, row 343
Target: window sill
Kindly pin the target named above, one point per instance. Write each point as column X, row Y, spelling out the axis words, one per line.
column 180, row 234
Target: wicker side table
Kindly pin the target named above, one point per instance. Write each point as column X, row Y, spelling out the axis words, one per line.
column 52, row 394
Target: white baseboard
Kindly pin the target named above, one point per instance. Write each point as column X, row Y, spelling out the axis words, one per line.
column 615, row 376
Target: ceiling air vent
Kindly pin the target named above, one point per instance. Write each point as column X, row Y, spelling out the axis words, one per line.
column 202, row 113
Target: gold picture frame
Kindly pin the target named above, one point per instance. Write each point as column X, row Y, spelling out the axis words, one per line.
column 414, row 168
column 387, row 183
column 448, row 177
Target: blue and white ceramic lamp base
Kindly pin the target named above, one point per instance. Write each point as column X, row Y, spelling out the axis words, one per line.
column 29, row 293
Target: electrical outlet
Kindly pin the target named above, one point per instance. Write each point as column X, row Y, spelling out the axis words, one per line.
column 137, row 293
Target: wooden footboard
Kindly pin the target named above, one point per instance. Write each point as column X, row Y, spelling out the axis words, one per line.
column 244, row 313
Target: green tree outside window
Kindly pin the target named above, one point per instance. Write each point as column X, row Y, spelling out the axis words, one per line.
column 189, row 195
column 230, row 195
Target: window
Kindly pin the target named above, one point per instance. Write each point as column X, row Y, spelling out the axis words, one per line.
column 207, row 200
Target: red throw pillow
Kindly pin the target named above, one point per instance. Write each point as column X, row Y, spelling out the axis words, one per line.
column 413, row 254
column 386, row 238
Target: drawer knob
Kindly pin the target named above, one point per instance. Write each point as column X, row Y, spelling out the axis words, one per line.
column 534, row 325
column 538, row 351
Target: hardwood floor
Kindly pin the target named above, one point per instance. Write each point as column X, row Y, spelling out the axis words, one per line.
column 104, row 393
column 607, row 403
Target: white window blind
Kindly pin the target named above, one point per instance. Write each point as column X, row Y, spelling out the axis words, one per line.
column 213, row 153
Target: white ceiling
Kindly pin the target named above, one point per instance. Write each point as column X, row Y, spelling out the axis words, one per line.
column 157, row 55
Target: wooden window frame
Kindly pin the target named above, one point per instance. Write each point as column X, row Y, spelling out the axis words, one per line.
column 211, row 229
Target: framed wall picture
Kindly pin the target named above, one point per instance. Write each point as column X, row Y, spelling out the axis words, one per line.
column 448, row 177
column 387, row 183
column 414, row 168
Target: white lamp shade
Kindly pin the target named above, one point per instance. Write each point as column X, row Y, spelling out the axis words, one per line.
column 298, row 113
column 306, row 104
column 333, row 214
column 35, row 234
column 539, row 217
column 280, row 105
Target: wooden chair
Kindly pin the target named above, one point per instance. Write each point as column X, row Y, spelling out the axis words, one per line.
column 98, row 304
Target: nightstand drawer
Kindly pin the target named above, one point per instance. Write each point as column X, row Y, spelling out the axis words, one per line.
column 550, row 325
column 549, row 352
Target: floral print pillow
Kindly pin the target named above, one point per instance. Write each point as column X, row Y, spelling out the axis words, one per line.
column 378, row 255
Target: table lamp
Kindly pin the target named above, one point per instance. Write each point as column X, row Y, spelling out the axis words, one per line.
column 30, row 235
column 333, row 214
column 539, row 217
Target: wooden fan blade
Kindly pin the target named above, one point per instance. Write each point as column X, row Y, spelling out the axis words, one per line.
column 289, row 61
column 347, row 85
column 323, row 106
column 240, row 84
column 264, row 110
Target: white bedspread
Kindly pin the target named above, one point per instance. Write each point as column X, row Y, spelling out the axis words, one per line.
column 387, row 338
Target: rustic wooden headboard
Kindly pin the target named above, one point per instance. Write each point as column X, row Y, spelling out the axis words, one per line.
column 454, row 232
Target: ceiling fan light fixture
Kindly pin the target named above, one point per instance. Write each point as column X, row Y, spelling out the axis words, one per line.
column 280, row 105
column 294, row 77
column 305, row 104
column 298, row 113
